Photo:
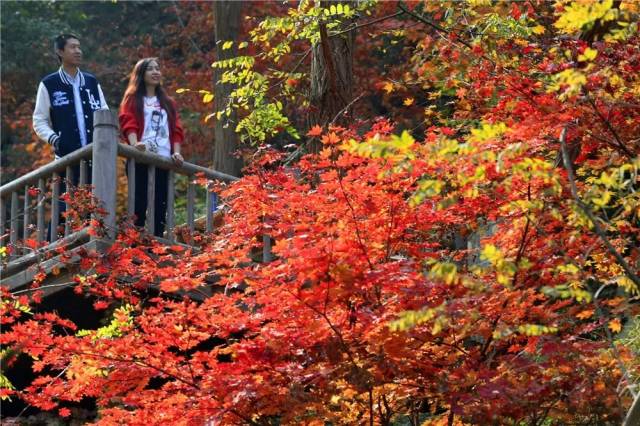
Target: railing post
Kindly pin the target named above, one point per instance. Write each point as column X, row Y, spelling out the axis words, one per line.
column 267, row 255
column 105, row 155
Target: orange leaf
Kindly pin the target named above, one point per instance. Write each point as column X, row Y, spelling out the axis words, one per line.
column 315, row 131
column 408, row 102
column 615, row 325
column 585, row 314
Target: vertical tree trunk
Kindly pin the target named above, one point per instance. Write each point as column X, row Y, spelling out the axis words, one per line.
column 227, row 26
column 332, row 77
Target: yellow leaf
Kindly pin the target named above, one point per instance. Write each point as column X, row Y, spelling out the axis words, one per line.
column 538, row 29
column 182, row 90
column 588, row 55
column 408, row 102
column 227, row 45
column 388, row 87
column 615, row 325
column 488, row 131
column 208, row 97
column 581, row 14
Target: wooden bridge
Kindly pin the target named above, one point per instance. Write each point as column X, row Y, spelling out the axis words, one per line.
column 37, row 195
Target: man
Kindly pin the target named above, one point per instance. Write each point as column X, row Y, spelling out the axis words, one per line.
column 66, row 100
column 63, row 115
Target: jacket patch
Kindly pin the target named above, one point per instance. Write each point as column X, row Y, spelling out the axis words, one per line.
column 95, row 104
column 59, row 98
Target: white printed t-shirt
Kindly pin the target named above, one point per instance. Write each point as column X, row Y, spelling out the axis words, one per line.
column 156, row 128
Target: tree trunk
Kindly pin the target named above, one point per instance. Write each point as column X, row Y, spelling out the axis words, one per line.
column 227, row 27
column 332, row 77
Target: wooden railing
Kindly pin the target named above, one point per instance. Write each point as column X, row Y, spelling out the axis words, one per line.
column 29, row 194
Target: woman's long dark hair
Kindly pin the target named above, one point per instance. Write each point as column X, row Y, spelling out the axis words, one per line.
column 136, row 91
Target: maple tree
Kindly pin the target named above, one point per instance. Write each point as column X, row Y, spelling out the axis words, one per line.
column 468, row 259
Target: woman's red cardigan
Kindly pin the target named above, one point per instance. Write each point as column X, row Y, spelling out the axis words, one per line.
column 131, row 122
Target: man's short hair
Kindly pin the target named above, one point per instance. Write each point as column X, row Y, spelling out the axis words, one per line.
column 61, row 41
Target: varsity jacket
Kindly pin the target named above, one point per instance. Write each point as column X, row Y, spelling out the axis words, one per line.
column 132, row 122
column 55, row 118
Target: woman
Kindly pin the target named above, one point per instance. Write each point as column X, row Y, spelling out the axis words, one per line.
column 149, row 121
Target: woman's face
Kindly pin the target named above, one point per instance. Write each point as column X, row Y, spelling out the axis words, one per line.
column 152, row 75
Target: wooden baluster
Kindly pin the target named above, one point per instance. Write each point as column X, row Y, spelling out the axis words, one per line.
column 83, row 172
column 131, row 186
column 210, row 207
column 3, row 218
column 151, row 199
column 69, row 186
column 171, row 196
column 191, row 193
column 83, row 177
column 40, row 217
column 13, row 238
column 55, row 207
column 26, row 216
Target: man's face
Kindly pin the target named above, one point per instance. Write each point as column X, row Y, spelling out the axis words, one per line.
column 71, row 54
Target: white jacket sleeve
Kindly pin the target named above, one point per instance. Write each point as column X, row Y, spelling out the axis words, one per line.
column 41, row 115
column 103, row 102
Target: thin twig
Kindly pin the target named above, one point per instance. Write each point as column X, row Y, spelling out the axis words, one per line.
column 432, row 24
column 609, row 127
column 374, row 21
column 29, row 290
column 346, row 108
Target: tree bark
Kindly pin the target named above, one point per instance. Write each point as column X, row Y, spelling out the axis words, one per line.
column 227, row 27
column 332, row 77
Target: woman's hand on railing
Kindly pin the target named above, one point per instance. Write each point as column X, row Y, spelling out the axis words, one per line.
column 177, row 158
column 141, row 146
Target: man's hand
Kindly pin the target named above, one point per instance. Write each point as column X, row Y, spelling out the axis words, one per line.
column 141, row 146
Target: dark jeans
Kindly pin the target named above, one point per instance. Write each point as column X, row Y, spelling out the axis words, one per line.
column 62, row 206
column 161, row 191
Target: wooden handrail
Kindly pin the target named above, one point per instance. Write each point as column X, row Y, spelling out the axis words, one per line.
column 46, row 171
column 186, row 168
